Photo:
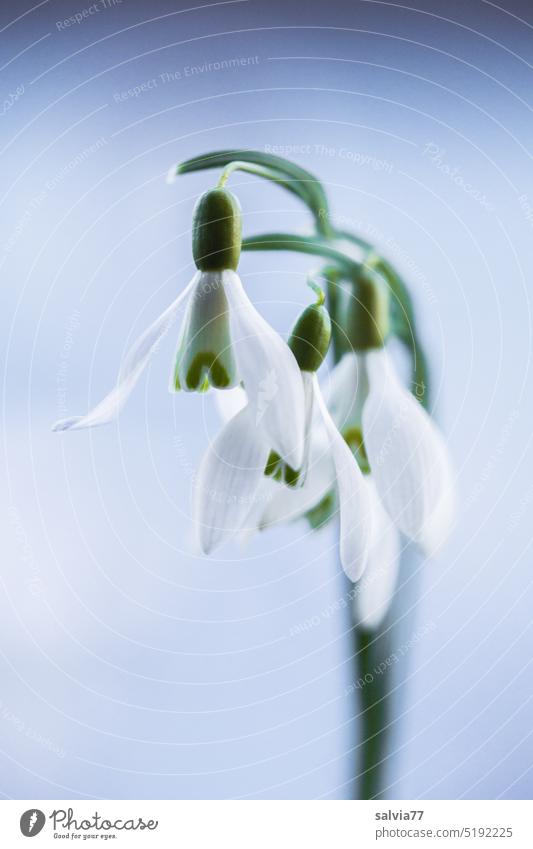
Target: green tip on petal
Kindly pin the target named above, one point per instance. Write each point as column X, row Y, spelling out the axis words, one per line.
column 323, row 512
column 204, row 371
column 353, row 436
column 280, row 471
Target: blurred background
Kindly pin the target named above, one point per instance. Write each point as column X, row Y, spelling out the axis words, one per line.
column 132, row 668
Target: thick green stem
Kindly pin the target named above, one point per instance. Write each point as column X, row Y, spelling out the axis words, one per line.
column 373, row 653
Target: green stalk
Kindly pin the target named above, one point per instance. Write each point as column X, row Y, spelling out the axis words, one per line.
column 372, row 650
column 305, row 185
column 313, row 245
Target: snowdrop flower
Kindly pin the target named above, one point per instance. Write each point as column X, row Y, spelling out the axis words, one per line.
column 328, row 463
column 223, row 340
column 406, row 452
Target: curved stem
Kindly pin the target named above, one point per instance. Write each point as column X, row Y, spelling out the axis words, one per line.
column 313, row 245
column 258, row 171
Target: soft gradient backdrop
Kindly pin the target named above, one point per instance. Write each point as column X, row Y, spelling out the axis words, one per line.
column 131, row 668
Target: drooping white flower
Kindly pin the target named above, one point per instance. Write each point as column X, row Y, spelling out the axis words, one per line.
column 223, row 340
column 327, row 462
column 406, row 452
column 331, row 465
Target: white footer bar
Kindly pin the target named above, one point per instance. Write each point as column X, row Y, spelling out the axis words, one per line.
column 267, row 824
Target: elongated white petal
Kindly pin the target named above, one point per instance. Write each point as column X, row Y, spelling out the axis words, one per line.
column 439, row 525
column 407, row 453
column 135, row 362
column 356, row 514
column 346, row 391
column 270, row 372
column 205, row 354
column 228, row 480
column 373, row 594
column 230, row 402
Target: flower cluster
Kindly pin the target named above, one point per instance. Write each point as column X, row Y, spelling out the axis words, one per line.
column 362, row 446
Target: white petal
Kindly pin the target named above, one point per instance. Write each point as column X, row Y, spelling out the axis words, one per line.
column 407, row 453
column 204, row 349
column 346, row 391
column 272, row 379
column 356, row 514
column 229, row 402
column 373, row 593
column 439, row 525
column 132, row 368
column 309, row 420
column 228, row 480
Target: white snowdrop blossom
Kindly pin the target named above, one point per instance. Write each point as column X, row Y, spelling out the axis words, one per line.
column 223, row 340
column 406, row 452
column 330, row 465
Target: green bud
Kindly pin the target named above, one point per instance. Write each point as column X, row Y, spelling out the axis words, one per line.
column 310, row 337
column 368, row 319
column 216, row 231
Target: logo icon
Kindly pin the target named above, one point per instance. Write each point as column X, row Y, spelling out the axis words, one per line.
column 32, row 822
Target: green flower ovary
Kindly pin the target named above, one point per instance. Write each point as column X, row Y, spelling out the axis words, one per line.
column 280, row 471
column 205, row 370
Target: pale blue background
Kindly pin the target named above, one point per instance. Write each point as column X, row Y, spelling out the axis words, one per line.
column 129, row 667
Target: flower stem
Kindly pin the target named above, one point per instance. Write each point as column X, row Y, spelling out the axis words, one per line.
column 372, row 657
column 301, row 182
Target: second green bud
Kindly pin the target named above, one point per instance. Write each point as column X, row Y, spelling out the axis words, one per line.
column 310, row 337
